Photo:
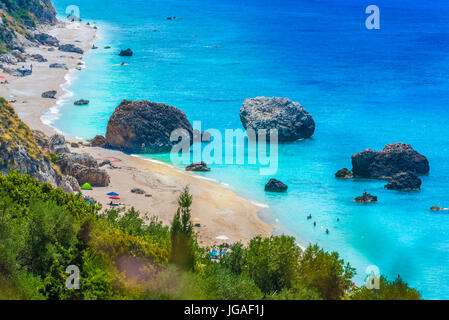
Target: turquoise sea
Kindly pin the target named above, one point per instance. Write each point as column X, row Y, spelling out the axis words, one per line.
column 364, row 88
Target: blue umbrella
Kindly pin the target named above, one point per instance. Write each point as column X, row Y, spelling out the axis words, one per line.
column 112, row 194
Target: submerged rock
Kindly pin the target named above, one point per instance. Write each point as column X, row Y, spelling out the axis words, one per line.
column 291, row 120
column 81, row 102
column 344, row 174
column 146, row 127
column 126, row 53
column 404, row 181
column 49, row 94
column 366, row 197
column 199, row 166
column 275, row 186
column 393, row 159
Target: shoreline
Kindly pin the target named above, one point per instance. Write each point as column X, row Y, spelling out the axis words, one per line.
column 221, row 211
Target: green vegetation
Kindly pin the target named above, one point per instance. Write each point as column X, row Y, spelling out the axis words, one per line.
column 122, row 255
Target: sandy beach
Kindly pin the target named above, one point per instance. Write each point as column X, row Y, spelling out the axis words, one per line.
column 221, row 211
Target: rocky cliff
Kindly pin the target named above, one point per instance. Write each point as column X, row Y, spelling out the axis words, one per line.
column 18, row 18
column 20, row 151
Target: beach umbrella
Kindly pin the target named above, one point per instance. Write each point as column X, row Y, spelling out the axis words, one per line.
column 114, row 197
column 86, row 186
column 222, row 238
column 112, row 194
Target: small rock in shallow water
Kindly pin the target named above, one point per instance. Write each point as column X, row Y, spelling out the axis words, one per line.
column 366, row 197
column 344, row 174
column 81, row 102
column 200, row 166
column 276, row 186
column 126, row 53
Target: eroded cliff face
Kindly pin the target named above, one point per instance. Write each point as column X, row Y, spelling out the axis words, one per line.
column 20, row 151
column 18, row 18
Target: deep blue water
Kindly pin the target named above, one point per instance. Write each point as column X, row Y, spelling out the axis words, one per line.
column 364, row 88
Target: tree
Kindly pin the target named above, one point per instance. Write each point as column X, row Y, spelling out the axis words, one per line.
column 325, row 272
column 272, row 263
column 388, row 290
column 182, row 235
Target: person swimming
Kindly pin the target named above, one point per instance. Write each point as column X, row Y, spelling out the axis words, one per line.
column 309, row 217
column 327, row 231
column 314, row 223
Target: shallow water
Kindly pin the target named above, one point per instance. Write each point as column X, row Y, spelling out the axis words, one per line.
column 364, row 89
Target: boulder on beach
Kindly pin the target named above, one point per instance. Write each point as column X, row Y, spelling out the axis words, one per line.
column 365, row 198
column 126, row 53
column 8, row 58
column 98, row 141
column 58, row 66
column 138, row 191
column 275, row 186
column 291, row 120
column 38, row 58
column 47, row 40
column 344, row 174
column 49, row 94
column 84, row 168
column 70, row 48
column 393, row 159
column 146, row 127
column 404, row 181
column 58, row 145
column 81, row 102
column 199, row 167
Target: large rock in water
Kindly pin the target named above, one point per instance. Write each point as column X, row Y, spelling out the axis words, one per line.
column 20, row 151
column 404, row 181
column 275, row 186
column 393, row 159
column 145, row 127
column 290, row 119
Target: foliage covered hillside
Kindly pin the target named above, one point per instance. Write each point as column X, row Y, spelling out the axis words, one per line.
column 44, row 230
column 17, row 17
